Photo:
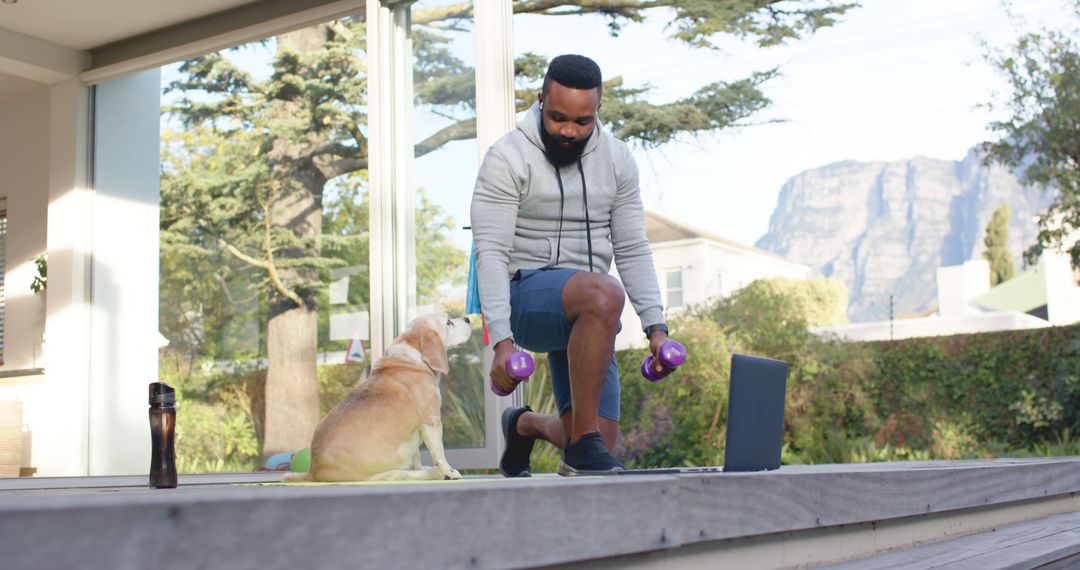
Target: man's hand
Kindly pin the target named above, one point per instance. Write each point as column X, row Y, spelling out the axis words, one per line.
column 503, row 349
column 657, row 340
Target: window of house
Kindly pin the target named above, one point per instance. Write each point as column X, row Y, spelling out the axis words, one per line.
column 674, row 288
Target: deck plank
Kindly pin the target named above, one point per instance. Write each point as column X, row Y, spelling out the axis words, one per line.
column 1027, row 544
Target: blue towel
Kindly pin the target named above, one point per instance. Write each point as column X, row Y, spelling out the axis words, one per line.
column 472, row 290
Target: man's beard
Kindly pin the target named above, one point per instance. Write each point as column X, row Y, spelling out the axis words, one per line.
column 557, row 154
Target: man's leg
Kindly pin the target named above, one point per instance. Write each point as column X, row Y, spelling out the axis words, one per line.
column 553, row 429
column 593, row 303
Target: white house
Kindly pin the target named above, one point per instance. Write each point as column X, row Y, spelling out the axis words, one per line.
column 694, row 265
column 1045, row 295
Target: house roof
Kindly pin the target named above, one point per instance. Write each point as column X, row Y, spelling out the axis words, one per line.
column 1021, row 293
column 659, row 229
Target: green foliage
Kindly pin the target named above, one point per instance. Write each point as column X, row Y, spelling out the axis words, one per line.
column 1063, row 444
column 1039, row 138
column 771, row 316
column 214, row 438
column 772, row 23
column 997, row 246
column 336, row 381
column 41, row 265
column 960, row 397
column 680, row 420
column 1013, row 387
column 214, row 422
column 713, row 107
column 538, row 396
column 695, row 22
column 463, row 394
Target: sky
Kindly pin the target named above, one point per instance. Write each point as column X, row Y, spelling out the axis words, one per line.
column 895, row 79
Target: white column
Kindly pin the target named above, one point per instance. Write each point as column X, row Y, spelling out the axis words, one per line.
column 390, row 164
column 494, row 71
column 124, row 336
column 494, row 27
column 390, row 157
column 60, row 440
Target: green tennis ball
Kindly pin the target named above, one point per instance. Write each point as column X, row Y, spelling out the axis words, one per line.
column 301, row 461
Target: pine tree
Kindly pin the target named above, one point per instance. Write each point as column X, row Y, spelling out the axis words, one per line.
column 997, row 246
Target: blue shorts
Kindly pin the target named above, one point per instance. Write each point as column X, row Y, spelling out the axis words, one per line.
column 539, row 324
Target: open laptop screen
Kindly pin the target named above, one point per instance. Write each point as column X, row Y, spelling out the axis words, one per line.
column 755, row 421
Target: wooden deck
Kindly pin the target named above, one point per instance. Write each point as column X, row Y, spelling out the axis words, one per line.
column 798, row 516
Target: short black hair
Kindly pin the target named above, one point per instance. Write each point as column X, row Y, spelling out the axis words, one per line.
column 575, row 71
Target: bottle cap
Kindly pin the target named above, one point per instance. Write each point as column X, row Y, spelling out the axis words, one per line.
column 162, row 394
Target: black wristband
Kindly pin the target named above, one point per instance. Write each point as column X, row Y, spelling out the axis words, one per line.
column 653, row 328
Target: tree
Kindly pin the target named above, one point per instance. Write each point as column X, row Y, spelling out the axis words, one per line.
column 792, row 306
column 997, row 246
column 1041, row 138
column 263, row 151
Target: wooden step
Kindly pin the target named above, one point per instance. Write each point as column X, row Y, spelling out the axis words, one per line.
column 1049, row 542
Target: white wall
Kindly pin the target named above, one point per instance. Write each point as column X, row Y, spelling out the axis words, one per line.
column 24, row 182
column 42, row 170
column 933, row 326
column 957, row 285
column 1062, row 292
column 124, row 321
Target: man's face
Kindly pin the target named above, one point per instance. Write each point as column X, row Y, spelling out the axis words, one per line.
column 568, row 118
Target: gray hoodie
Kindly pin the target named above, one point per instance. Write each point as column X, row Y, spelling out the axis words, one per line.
column 516, row 219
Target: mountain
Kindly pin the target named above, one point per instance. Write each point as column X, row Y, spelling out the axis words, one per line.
column 885, row 227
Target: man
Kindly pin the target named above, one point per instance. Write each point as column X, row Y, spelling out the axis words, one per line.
column 554, row 201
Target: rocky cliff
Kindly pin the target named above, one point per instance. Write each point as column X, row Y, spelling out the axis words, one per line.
column 884, row 227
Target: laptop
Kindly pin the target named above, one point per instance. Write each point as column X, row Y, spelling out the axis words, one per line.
column 755, row 419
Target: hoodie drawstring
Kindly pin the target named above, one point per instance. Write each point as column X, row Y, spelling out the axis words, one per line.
column 562, row 201
column 585, row 199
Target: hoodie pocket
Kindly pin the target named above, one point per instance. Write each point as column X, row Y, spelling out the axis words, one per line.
column 533, row 252
column 553, row 252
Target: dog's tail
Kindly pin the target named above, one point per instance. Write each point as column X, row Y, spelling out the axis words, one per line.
column 304, row 477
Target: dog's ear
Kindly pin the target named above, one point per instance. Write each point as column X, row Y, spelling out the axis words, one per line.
column 433, row 350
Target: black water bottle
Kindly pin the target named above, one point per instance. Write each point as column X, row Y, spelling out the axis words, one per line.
column 162, row 436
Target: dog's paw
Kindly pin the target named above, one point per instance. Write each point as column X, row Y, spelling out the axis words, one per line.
column 450, row 474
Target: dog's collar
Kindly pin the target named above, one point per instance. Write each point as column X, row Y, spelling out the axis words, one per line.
column 407, row 352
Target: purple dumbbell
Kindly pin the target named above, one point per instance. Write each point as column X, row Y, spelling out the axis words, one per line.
column 672, row 355
column 520, row 366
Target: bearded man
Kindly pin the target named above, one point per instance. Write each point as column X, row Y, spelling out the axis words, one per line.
column 555, row 200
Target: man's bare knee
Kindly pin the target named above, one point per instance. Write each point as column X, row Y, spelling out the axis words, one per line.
column 595, row 294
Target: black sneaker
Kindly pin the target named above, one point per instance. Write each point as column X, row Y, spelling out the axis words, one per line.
column 588, row 456
column 515, row 458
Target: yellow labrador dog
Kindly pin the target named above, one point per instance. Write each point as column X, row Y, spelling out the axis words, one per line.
column 374, row 434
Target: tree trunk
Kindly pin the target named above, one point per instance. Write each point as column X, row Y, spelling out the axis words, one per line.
column 292, row 388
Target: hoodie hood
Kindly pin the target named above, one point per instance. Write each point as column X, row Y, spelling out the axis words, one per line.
column 529, row 125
